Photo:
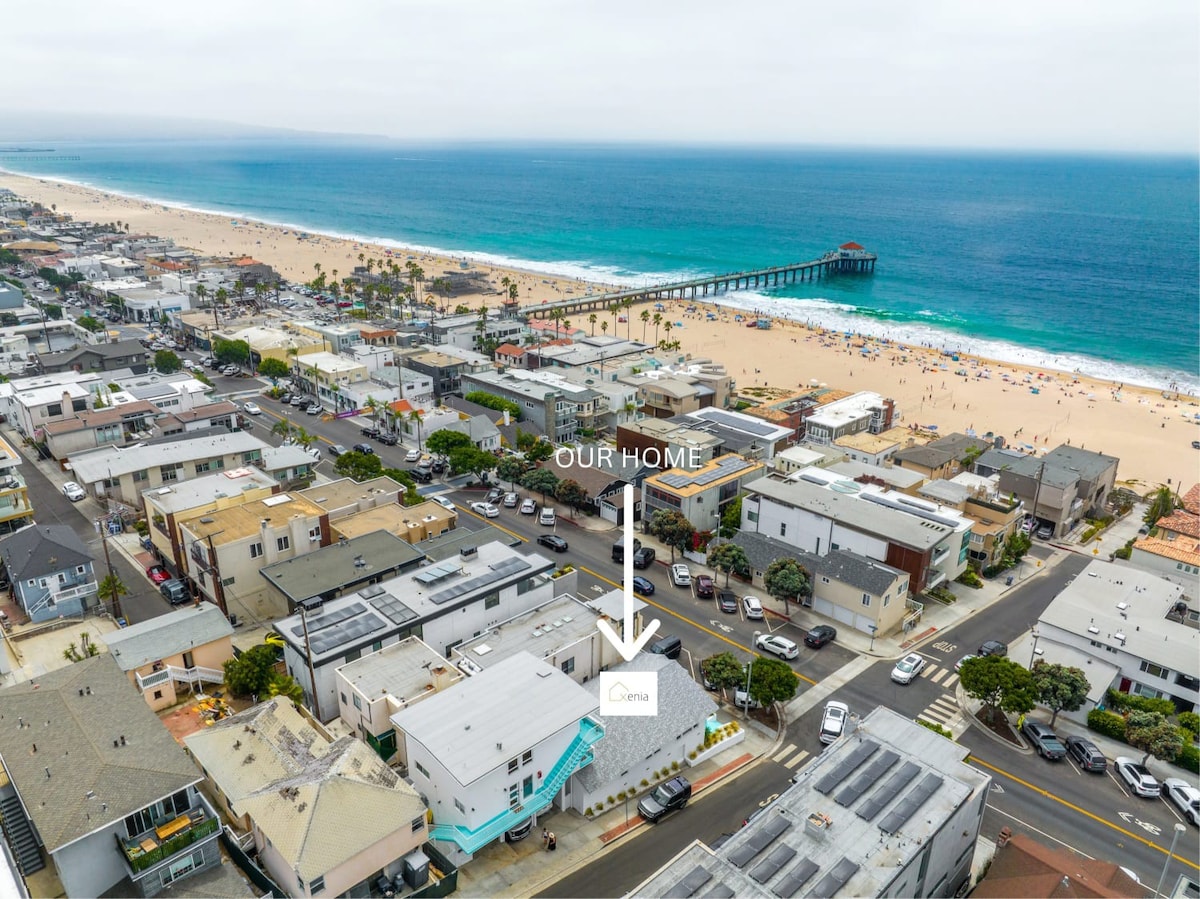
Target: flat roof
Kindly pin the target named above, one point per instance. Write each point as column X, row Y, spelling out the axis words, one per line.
column 395, row 518
column 866, row 442
column 91, row 467
column 472, row 729
column 848, row 409
column 334, row 567
column 542, row 631
column 714, row 473
column 399, row 669
column 180, row 496
column 344, row 492
column 327, row 362
column 894, row 475
column 238, row 522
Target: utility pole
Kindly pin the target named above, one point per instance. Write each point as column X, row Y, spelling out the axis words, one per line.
column 312, row 676
column 116, row 596
column 218, row 587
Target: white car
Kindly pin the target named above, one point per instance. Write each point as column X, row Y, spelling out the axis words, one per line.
column 1184, row 797
column 1140, row 781
column 681, row 576
column 444, row 503
column 780, row 646
column 487, row 510
column 547, row 516
column 413, row 456
column 252, row 409
column 753, row 608
column 833, row 721
column 528, row 507
column 908, row 668
column 73, row 491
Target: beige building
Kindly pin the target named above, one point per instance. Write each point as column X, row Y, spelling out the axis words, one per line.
column 326, row 816
column 171, row 657
column 410, row 523
column 15, row 508
column 702, row 494
column 996, row 515
column 283, row 343
column 324, row 375
column 863, row 446
column 346, row 496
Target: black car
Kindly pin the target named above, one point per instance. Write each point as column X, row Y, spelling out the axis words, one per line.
column 665, row 798
column 554, row 542
column 285, row 397
column 365, row 448
column 1086, row 755
column 421, row 474
column 993, row 648
column 437, row 466
column 819, row 636
column 335, row 450
column 1044, row 740
column 643, row 557
column 369, row 432
column 727, row 601
column 387, row 438
column 494, row 495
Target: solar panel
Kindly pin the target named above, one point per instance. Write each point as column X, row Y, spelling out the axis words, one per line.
column 790, row 883
column 836, row 878
column 397, row 611
column 730, row 421
column 908, row 806
column 769, row 866
column 370, row 591
column 345, row 632
column 436, row 573
column 857, row 756
column 759, row 840
column 500, row 571
column 880, row 798
column 329, row 619
column 687, row 887
column 878, row 767
column 720, row 891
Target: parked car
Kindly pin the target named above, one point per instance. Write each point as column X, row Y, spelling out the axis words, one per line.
column 552, row 541
column 727, row 601
column 314, row 408
column 422, row 474
column 1045, row 532
column 387, row 438
column 752, row 608
column 487, row 510
column 1184, row 797
column 820, row 635
column 369, row 432
column 252, row 409
column 511, row 500
column 528, row 507
column 1085, row 754
column 174, row 591
column 285, row 397
column 667, row 797
column 365, row 448
column 494, row 495
column 744, row 700
column 73, row 491
column 296, row 400
column 1140, row 781
column 777, row 645
column 833, row 720
column 643, row 557
column 413, row 456
column 336, row 449
column 681, row 576
column 908, row 668
column 1044, row 740
column 437, row 466
column 993, row 648
column 643, row 585
column 520, row 832
column 546, row 516
column 158, row 574
column 445, row 503
column 958, row 665
column 705, row 588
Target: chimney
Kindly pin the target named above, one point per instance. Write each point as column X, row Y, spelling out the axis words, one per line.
column 441, row 675
column 507, row 420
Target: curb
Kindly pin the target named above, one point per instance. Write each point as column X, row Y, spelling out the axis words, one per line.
column 972, row 721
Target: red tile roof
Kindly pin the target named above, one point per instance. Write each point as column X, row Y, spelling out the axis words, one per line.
column 401, row 406
column 1191, row 500
column 1181, row 522
column 1027, row 868
column 851, row 246
column 509, row 349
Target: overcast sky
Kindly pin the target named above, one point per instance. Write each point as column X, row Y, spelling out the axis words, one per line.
column 1055, row 74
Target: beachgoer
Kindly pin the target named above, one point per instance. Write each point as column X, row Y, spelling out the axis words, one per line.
column 553, row 843
column 545, row 837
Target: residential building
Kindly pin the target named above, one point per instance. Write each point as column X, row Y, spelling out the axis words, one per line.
column 146, row 303
column 942, row 458
column 173, row 393
column 863, row 411
column 324, row 374
column 98, row 357
column 701, row 495
column 50, row 571
column 594, row 354
column 16, row 511
column 441, row 369
column 443, row 604
column 886, row 476
column 373, row 394
column 819, row 512
column 604, row 481
column 557, row 405
column 636, row 748
column 739, row 433
column 291, row 466
column 118, row 426
column 465, row 331
column 1022, row 866
column 98, row 787
column 1136, row 631
column 788, row 408
column 372, row 689
column 839, row 830
column 326, row 816
column 545, row 329
column 347, row 496
column 849, row 588
column 183, row 648
column 659, row 441
column 480, row 428
column 266, row 342
column 503, row 768
column 1173, row 550
column 168, row 505
column 410, row 523
column 996, row 516
column 223, row 414
column 225, row 549
column 338, row 337
column 868, row 448
column 805, row 456
column 32, row 403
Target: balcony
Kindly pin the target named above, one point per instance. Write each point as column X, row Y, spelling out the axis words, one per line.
column 75, row 592
column 194, row 676
column 168, row 838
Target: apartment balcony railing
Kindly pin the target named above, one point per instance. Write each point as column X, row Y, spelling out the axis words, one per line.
column 940, row 555
column 194, row 675
column 169, row 838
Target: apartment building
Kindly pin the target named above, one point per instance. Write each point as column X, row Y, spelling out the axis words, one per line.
column 50, row 571
column 16, row 511
column 996, row 516
column 700, row 495
column 118, row 426
column 864, row 411
column 325, row 374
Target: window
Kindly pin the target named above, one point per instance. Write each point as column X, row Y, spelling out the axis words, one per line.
column 527, row 757
column 79, row 405
column 314, row 533
column 887, row 597
column 568, row 666
column 491, row 600
column 514, row 796
column 782, row 529
column 376, row 646
column 418, row 823
column 458, row 805
column 228, row 581
column 170, row 472
column 256, row 550
column 527, row 786
column 53, row 409
column 1155, row 670
column 79, row 569
column 158, row 694
column 357, row 701
column 866, row 599
column 824, row 580
column 317, row 885
column 141, row 475
column 751, row 515
column 421, row 768
column 284, row 542
column 512, row 765
column 343, row 695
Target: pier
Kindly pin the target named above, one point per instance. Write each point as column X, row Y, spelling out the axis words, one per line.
column 848, row 259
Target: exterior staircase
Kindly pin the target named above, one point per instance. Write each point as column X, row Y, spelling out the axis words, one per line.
column 19, row 835
column 194, row 676
column 578, row 755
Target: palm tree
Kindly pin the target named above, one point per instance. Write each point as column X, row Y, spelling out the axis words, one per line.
column 592, row 322
column 645, row 317
column 416, row 275
column 628, row 304
column 657, row 321
column 283, row 427
column 201, row 293
column 415, row 416
column 604, row 327
column 615, row 309
column 556, row 316
column 373, row 406
column 667, row 339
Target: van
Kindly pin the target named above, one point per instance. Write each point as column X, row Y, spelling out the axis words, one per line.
column 669, row 646
column 618, row 549
column 546, row 516
column 174, row 591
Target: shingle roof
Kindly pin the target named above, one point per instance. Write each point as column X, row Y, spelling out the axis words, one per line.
column 45, row 549
column 1087, row 464
column 166, row 635
column 849, row 568
column 1025, row 867
column 78, row 738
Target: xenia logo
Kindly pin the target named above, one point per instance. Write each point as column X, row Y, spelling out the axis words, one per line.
column 603, row 456
column 629, row 693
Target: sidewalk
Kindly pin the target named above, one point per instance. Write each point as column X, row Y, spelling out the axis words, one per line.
column 524, row 868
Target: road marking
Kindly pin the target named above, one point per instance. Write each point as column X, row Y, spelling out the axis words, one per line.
column 1028, row 826
column 996, row 788
column 950, row 681
column 796, row 761
column 1129, row 833
column 941, row 672
column 786, row 750
column 942, row 710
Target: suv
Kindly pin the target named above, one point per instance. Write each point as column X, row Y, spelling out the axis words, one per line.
column 833, row 721
column 681, row 576
column 618, row 548
column 705, row 589
column 1184, row 797
column 174, row 592
column 1044, row 740
column 1086, row 755
column 993, row 648
column 643, row 556
column 665, row 798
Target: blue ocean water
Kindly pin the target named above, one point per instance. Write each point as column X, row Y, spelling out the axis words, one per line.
column 1070, row 262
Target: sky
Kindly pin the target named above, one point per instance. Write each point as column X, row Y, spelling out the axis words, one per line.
column 1100, row 75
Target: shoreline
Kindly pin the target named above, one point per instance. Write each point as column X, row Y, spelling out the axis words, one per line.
column 1136, row 423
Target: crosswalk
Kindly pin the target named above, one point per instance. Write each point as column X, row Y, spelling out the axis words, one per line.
column 942, row 710
column 943, row 677
column 792, row 756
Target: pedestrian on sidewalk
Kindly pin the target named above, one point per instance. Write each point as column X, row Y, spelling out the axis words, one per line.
column 545, row 838
column 552, row 843
column 1021, row 721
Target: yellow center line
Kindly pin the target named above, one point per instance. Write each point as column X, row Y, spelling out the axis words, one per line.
column 694, row 624
column 1082, row 811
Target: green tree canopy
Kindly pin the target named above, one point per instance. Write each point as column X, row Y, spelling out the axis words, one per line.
column 111, row 588
column 730, row 558
column 465, row 459
column 1017, row 545
column 443, row 441
column 284, row 685
column 273, row 368
column 510, row 469
column 231, row 352
column 1059, row 687
column 772, row 680
column 52, row 310
column 250, row 673
column 998, row 683
column 731, row 518
column 1160, row 504
column 673, row 529
column 359, row 466
column 399, row 475
column 725, row 670
column 167, row 362
column 571, row 492
column 786, row 579
column 1154, row 735
column 540, row 480
column 89, row 323
column 491, row 401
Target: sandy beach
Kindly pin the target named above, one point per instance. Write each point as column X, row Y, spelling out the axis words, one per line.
column 1034, row 408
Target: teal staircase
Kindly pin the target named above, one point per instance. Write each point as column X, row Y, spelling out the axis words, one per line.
column 578, row 755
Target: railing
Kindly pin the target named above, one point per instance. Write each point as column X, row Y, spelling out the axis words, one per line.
column 194, row 675
column 73, row 592
column 578, row 755
column 141, row 858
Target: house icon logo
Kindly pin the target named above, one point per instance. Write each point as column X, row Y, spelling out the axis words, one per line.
column 629, row 693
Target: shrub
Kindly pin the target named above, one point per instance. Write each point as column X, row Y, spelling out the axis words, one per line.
column 1108, row 723
column 588, row 811
column 1190, row 722
column 1189, row 758
column 970, row 578
column 621, row 796
column 1087, row 535
column 611, row 800
column 1127, row 702
column 645, row 783
column 674, row 766
column 692, row 755
column 1124, row 552
column 936, row 728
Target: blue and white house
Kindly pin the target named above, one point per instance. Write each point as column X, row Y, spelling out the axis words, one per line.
column 497, row 749
column 50, row 571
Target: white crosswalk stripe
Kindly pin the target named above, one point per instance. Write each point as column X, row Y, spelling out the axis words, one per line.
column 936, row 674
column 785, row 751
column 941, row 710
column 950, row 681
column 792, row 763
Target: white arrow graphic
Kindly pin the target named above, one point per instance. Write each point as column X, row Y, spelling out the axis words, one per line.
column 626, row 645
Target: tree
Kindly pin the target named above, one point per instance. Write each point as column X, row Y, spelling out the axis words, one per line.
column 411, row 496
column 540, row 480
column 491, row 401
column 1017, row 544
column 1154, row 735
column 53, row 311
column 359, row 466
column 1059, row 687
column 785, row 579
column 416, row 417
column 645, row 317
column 443, row 441
column 510, row 469
column 724, row 670
column 231, row 352
column 89, row 323
column 471, row 459
column 731, row 518
column 250, row 673
column 284, row 685
column 540, row 451
column 112, row 588
column 673, row 529
column 283, row 427
column 167, row 362
column 572, row 493
column 998, row 683
column 772, row 680
column 270, row 367
column 730, row 558
column 1160, row 504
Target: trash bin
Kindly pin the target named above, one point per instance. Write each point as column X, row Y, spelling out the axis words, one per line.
column 1008, row 580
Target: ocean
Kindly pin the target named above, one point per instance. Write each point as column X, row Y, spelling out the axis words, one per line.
column 1082, row 263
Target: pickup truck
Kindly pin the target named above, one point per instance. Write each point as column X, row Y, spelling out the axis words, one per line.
column 1044, row 740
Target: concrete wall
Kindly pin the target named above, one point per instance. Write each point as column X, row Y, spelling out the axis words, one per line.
column 90, row 866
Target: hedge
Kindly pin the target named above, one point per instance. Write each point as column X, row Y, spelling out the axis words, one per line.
column 1128, row 702
column 1189, row 757
column 936, row 728
column 1108, row 723
column 1190, row 722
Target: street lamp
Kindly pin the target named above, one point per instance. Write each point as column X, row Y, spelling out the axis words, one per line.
column 749, row 672
column 1033, row 653
column 1179, row 828
column 873, row 628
